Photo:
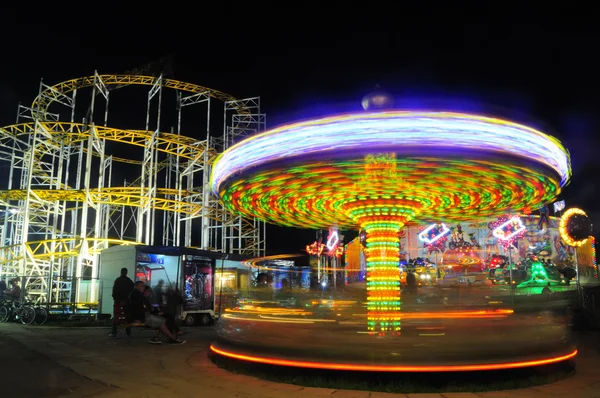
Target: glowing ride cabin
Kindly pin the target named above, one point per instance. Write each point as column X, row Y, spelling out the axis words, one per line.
column 384, row 170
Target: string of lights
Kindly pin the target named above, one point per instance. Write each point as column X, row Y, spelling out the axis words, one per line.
column 383, row 276
column 318, row 195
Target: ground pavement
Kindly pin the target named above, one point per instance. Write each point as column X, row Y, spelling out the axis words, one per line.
column 84, row 362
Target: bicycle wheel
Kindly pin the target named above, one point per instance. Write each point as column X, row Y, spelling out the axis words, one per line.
column 4, row 314
column 27, row 315
column 41, row 316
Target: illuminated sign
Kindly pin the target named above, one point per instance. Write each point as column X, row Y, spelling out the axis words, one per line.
column 509, row 229
column 432, row 233
column 150, row 258
column 333, row 239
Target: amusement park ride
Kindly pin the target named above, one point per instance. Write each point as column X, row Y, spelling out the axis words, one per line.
column 378, row 172
column 383, row 170
column 65, row 198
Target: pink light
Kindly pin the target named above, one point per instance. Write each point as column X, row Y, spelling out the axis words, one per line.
column 499, row 232
column 333, row 239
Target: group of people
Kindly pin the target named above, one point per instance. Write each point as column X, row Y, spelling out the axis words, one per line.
column 133, row 305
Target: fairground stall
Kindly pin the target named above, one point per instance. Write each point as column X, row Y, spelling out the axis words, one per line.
column 209, row 282
column 202, row 278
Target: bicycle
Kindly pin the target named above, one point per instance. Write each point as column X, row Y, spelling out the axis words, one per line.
column 17, row 310
column 41, row 315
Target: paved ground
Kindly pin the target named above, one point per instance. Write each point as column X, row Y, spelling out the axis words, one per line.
column 50, row 362
column 25, row 373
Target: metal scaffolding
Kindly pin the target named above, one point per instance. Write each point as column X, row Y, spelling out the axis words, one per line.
column 241, row 119
column 66, row 199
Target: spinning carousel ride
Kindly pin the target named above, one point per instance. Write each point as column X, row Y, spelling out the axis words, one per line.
column 380, row 171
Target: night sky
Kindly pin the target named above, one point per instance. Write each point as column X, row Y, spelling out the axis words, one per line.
column 539, row 70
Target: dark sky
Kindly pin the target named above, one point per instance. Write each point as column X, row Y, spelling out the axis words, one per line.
column 538, row 69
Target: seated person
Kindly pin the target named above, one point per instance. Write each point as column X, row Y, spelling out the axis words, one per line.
column 154, row 310
column 140, row 310
column 14, row 293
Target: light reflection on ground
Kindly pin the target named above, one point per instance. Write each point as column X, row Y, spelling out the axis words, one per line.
column 439, row 327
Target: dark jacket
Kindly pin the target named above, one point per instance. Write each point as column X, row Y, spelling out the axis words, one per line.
column 122, row 288
column 174, row 300
column 139, row 306
column 150, row 308
column 136, row 310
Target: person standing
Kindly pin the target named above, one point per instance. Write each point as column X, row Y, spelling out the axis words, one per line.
column 173, row 307
column 158, row 294
column 122, row 287
column 2, row 289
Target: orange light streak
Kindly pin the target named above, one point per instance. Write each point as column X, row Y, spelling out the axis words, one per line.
column 281, row 320
column 448, row 315
column 268, row 311
column 393, row 368
column 276, row 318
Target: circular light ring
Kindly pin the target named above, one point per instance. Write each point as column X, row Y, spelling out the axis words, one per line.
column 391, row 368
column 396, row 131
column 562, row 227
column 318, row 195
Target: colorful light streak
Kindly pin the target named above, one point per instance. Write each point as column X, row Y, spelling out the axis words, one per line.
column 282, row 320
column 319, row 194
column 499, row 313
column 380, row 171
column 313, row 320
column 392, row 368
column 396, row 129
column 250, row 309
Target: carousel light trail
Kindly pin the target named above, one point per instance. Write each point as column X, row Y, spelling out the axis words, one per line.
column 398, row 128
column 382, row 171
column 391, row 368
column 320, row 194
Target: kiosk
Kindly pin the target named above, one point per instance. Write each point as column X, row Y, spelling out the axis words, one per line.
column 189, row 271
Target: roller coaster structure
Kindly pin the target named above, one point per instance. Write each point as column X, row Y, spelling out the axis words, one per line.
column 60, row 208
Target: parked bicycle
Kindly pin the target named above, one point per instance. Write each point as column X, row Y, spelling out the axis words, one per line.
column 41, row 315
column 18, row 310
